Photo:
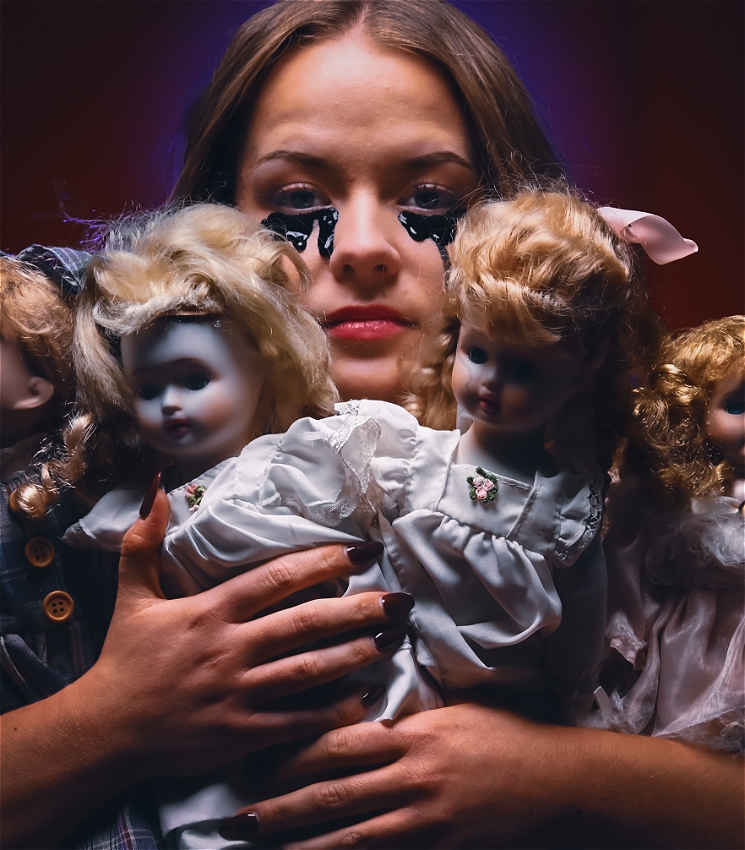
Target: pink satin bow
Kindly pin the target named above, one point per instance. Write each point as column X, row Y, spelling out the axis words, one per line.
column 661, row 241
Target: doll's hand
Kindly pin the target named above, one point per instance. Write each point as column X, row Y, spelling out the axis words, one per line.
column 192, row 680
column 461, row 776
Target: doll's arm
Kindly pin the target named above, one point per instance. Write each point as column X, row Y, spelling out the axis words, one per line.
column 182, row 685
column 474, row 776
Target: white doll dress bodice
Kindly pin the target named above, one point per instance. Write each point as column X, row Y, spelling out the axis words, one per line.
column 480, row 572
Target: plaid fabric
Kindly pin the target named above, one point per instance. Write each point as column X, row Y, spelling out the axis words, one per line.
column 65, row 266
column 39, row 658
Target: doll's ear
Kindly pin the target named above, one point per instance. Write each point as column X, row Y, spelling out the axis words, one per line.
column 39, row 392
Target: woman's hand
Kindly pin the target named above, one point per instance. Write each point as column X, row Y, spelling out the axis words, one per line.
column 473, row 776
column 185, row 685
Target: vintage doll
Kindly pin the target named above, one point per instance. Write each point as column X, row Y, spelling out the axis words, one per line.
column 676, row 549
column 48, row 636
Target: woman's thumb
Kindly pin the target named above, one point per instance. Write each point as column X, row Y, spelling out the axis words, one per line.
column 140, row 554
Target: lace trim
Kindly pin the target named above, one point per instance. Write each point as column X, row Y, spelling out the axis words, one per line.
column 592, row 524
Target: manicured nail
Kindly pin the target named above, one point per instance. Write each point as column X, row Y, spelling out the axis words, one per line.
column 240, row 827
column 149, row 500
column 397, row 605
column 371, row 696
column 364, row 553
column 389, row 638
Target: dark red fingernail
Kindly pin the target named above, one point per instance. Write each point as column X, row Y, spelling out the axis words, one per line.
column 371, row 696
column 149, row 500
column 364, row 553
column 240, row 827
column 389, row 638
column 397, row 605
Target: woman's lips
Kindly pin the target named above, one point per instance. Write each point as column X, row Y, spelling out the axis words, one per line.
column 365, row 323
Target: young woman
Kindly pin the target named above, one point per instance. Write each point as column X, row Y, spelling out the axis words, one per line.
column 380, row 110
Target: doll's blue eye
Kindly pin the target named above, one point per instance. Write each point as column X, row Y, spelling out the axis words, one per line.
column 736, row 407
column 196, row 382
column 148, row 392
column 476, row 354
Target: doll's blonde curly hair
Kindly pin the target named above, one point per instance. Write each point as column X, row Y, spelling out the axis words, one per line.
column 669, row 447
column 35, row 316
column 544, row 268
column 208, row 260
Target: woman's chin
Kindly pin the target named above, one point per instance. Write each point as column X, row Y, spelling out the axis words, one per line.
column 375, row 378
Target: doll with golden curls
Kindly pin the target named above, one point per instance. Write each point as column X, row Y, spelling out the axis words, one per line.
column 676, row 548
column 47, row 638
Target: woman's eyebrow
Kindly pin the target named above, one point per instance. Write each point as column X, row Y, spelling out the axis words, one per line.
column 427, row 160
column 306, row 159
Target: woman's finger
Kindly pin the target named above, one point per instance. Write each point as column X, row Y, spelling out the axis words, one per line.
column 324, row 801
column 387, row 830
column 244, row 596
column 277, row 679
column 286, row 630
column 366, row 745
column 280, row 727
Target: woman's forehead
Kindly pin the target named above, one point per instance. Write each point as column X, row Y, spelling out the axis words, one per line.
column 352, row 85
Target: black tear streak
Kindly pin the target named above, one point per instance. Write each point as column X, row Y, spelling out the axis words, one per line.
column 297, row 228
column 439, row 228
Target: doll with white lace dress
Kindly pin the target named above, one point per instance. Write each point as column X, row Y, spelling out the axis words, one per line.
column 493, row 532
column 676, row 549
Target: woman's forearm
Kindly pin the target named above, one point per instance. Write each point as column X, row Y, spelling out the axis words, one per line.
column 635, row 791
column 186, row 685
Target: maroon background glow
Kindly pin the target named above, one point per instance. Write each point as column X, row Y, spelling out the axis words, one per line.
column 644, row 99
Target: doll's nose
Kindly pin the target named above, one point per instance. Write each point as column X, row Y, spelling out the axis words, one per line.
column 365, row 255
column 171, row 400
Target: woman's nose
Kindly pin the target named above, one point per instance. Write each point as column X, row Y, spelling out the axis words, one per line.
column 364, row 254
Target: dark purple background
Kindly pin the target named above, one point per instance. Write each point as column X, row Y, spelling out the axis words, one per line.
column 644, row 99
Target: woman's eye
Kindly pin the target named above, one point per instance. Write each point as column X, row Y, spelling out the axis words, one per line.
column 430, row 198
column 476, row 355
column 736, row 407
column 147, row 392
column 300, row 199
column 196, row 382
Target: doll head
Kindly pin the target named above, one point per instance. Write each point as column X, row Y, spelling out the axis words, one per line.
column 542, row 284
column 689, row 434
column 189, row 341
column 35, row 344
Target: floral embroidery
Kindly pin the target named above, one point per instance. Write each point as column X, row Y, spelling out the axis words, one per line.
column 193, row 495
column 483, row 485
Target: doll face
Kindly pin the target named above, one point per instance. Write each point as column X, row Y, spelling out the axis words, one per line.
column 373, row 133
column 725, row 423
column 512, row 388
column 196, row 388
column 23, row 396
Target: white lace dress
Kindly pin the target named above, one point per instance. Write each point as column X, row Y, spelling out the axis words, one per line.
column 484, row 572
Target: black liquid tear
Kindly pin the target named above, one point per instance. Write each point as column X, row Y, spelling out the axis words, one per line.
column 297, row 228
column 439, row 228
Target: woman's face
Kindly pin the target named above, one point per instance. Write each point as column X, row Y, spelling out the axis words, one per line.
column 372, row 132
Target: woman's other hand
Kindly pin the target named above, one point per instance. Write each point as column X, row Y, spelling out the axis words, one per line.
column 473, row 776
column 184, row 685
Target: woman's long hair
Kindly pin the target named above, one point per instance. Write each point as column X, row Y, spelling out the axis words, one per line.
column 508, row 141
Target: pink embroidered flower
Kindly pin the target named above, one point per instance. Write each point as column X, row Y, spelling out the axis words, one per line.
column 483, row 485
column 193, row 494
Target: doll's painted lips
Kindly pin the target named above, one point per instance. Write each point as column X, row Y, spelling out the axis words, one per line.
column 489, row 405
column 177, row 428
column 365, row 322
